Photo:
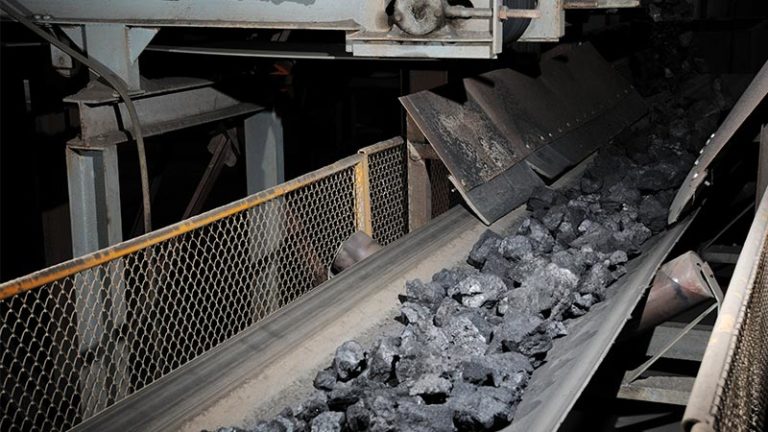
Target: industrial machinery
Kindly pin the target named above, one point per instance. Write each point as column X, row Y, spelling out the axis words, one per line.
column 226, row 317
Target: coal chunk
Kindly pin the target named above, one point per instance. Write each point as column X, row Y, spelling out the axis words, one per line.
column 424, row 418
column 516, row 247
column 595, row 236
column 430, row 385
column 477, row 290
column 412, row 313
column 571, row 259
column 515, row 328
column 383, row 357
column 358, row 417
column 311, row 407
column 427, row 294
column 272, row 426
column 450, row 277
column 344, row 395
column 652, row 213
column 543, row 198
column 550, row 284
column 509, row 370
column 534, row 345
column 497, row 265
column 481, row 408
column 540, row 237
column 325, row 379
column 464, row 335
column 489, row 241
column 349, row 360
column 590, row 185
column 596, row 280
column 328, row 422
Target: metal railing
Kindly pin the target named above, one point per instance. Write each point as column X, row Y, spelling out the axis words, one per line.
column 80, row 336
column 731, row 389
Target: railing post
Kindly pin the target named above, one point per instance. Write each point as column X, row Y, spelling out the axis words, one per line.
column 363, row 219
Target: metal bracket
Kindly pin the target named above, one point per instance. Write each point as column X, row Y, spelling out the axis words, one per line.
column 116, row 46
column 717, row 293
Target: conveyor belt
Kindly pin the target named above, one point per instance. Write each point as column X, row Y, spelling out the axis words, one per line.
column 249, row 370
column 573, row 360
column 272, row 364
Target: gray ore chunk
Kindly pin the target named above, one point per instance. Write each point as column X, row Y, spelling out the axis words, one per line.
column 427, row 294
column 431, row 385
column 325, row 379
column 516, row 248
column 489, row 241
column 348, row 361
column 328, row 422
column 477, row 290
column 416, row 417
column 481, row 408
column 382, row 361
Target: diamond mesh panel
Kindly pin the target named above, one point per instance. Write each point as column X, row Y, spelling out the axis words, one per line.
column 389, row 193
column 742, row 402
column 74, row 346
column 443, row 194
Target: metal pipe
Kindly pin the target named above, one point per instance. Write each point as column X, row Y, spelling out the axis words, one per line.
column 680, row 284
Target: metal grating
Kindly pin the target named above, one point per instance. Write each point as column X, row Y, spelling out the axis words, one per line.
column 444, row 196
column 742, row 400
column 389, row 194
column 79, row 337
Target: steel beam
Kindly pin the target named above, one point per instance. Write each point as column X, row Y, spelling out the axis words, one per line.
column 94, row 198
column 305, row 14
column 166, row 105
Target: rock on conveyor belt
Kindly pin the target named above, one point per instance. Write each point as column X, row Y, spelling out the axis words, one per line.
column 472, row 336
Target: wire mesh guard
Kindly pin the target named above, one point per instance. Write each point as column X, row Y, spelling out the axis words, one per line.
column 389, row 190
column 78, row 344
column 742, row 400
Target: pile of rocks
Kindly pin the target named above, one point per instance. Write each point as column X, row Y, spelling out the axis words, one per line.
column 473, row 335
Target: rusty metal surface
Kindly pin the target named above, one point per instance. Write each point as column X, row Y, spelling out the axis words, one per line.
column 556, row 385
column 485, row 126
column 747, row 103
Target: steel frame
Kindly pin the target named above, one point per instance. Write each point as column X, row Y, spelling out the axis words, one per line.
column 115, row 32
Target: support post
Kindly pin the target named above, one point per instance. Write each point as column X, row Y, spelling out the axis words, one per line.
column 118, row 47
column 419, row 189
column 94, row 205
column 363, row 220
column 94, row 198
